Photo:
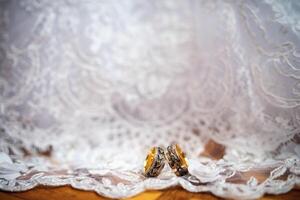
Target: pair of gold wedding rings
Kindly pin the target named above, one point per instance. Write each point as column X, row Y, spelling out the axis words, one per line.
column 155, row 161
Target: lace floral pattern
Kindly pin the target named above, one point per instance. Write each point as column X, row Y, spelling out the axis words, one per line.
column 85, row 85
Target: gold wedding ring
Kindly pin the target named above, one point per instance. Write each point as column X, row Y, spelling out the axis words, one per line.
column 177, row 160
column 155, row 162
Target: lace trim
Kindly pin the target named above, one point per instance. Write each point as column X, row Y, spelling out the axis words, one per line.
column 222, row 178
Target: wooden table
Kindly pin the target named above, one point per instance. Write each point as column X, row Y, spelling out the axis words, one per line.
column 65, row 193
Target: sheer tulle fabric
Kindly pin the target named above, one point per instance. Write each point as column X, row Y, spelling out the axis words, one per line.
column 87, row 87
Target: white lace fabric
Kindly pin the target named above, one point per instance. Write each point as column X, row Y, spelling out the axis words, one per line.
column 87, row 87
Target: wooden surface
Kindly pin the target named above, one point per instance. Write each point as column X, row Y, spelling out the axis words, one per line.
column 65, row 193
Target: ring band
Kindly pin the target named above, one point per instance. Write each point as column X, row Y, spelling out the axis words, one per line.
column 155, row 162
column 177, row 160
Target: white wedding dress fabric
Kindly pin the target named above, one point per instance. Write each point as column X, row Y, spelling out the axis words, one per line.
column 88, row 87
